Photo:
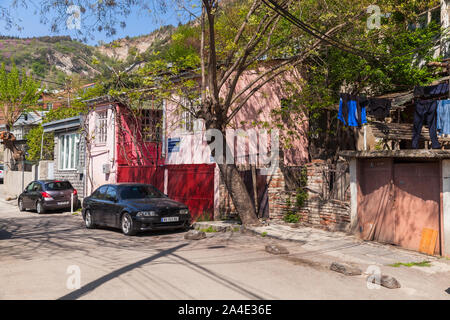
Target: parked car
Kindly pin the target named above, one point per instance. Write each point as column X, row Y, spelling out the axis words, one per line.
column 2, row 168
column 44, row 195
column 134, row 207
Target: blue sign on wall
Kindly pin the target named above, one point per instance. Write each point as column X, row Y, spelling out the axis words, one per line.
column 173, row 145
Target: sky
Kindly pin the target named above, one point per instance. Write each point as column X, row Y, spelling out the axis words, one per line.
column 137, row 23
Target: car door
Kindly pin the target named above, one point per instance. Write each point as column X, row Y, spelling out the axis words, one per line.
column 26, row 195
column 35, row 194
column 111, row 208
column 96, row 206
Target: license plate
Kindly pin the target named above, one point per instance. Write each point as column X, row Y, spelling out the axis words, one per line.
column 169, row 219
column 63, row 203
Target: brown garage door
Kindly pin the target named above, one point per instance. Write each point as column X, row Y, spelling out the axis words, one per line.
column 416, row 203
column 405, row 212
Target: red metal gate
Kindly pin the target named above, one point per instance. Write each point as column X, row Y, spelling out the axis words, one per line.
column 191, row 184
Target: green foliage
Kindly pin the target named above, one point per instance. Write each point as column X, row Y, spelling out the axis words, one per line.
column 290, row 216
column 411, row 264
column 34, row 136
column 210, row 229
column 18, row 92
column 205, row 216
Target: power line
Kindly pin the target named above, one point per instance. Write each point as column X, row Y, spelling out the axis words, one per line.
column 275, row 6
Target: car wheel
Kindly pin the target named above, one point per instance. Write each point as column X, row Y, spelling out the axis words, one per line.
column 89, row 220
column 20, row 204
column 40, row 208
column 128, row 225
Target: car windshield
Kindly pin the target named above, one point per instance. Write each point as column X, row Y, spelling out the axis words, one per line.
column 58, row 185
column 140, row 192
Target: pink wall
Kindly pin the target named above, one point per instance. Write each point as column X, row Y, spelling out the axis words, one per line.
column 194, row 149
column 98, row 154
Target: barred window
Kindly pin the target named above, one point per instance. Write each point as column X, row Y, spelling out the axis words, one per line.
column 102, row 126
column 151, row 125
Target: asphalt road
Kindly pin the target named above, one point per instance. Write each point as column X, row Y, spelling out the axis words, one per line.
column 41, row 256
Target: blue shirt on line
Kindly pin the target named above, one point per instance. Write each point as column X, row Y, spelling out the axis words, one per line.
column 443, row 117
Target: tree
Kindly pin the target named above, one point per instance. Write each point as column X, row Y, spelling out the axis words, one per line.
column 235, row 37
column 18, row 92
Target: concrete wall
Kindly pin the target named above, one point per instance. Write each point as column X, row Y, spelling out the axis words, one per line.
column 446, row 207
column 13, row 181
column 445, row 22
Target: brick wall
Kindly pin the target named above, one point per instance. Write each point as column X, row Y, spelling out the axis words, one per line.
column 75, row 177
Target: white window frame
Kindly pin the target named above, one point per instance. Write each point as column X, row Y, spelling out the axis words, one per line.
column 68, row 151
column 101, row 130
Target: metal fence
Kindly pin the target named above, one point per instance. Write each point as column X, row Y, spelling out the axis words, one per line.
column 336, row 182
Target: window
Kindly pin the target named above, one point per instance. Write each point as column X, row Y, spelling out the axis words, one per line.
column 37, row 187
column 188, row 121
column 69, row 151
column 58, row 185
column 102, row 128
column 140, row 192
column 100, row 193
column 151, row 125
column 111, row 194
column 29, row 188
column 49, row 106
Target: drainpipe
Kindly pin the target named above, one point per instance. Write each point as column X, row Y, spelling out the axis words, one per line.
column 42, row 144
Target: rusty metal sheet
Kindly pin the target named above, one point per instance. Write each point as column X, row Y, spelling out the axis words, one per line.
column 416, row 205
column 374, row 179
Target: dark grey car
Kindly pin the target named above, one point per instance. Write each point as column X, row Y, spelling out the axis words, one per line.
column 44, row 195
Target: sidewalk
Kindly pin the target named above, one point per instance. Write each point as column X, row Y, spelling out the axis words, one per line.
column 324, row 247
column 3, row 195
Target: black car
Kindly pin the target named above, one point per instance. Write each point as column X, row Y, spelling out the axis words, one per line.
column 134, row 207
column 43, row 195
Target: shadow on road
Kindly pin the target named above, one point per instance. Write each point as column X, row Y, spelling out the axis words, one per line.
column 96, row 283
column 5, row 234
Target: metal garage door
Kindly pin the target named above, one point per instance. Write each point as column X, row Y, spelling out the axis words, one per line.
column 399, row 203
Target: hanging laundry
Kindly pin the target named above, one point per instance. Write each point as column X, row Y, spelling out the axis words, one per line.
column 425, row 112
column 351, row 111
column 443, row 117
column 431, row 91
column 378, row 107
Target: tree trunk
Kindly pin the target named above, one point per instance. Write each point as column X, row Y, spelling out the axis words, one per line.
column 239, row 194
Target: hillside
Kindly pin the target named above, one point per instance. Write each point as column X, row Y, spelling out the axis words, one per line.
column 120, row 49
column 53, row 58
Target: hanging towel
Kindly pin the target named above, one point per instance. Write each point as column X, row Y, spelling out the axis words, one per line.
column 352, row 110
column 443, row 117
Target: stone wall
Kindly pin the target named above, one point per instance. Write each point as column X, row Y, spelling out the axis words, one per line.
column 333, row 215
column 75, row 177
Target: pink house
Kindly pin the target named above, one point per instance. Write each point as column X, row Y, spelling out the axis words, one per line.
column 169, row 149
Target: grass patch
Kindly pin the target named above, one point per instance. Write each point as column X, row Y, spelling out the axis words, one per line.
column 208, row 230
column 263, row 234
column 411, row 264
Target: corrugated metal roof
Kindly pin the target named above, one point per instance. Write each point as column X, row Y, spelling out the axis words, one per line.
column 67, row 124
